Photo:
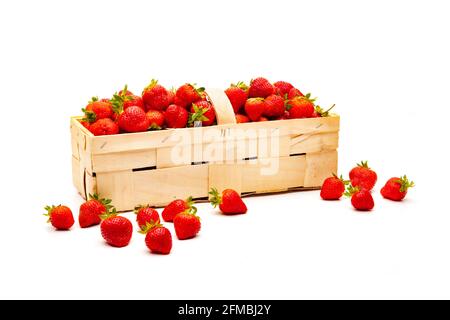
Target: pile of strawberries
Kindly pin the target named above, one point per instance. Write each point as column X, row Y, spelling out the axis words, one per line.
column 359, row 187
column 117, row 230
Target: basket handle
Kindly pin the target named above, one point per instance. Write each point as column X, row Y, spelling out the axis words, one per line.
column 222, row 105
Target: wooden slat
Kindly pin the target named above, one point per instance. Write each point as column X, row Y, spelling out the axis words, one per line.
column 118, row 186
column 77, row 175
column 124, row 161
column 320, row 166
column 307, row 143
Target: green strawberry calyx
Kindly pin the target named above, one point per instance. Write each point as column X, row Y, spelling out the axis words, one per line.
column 190, row 205
column 363, row 164
column 140, row 207
column 198, row 115
column 216, row 198
column 199, row 90
column 105, row 202
column 89, row 116
column 345, row 182
column 109, row 214
column 49, row 210
column 118, row 100
column 240, row 85
column 150, row 86
column 351, row 190
column 405, row 183
column 324, row 113
column 150, row 226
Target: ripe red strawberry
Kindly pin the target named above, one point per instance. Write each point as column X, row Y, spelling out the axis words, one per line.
column 91, row 210
column 156, row 119
column 333, row 188
column 301, row 107
column 104, row 127
column 133, row 119
column 97, row 110
column 85, row 124
column 274, row 106
column 186, row 225
column 260, row 88
column 202, row 111
column 155, row 96
column 237, row 94
column 187, row 94
column 176, row 207
column 362, row 176
column 319, row 112
column 131, row 101
column 361, row 199
column 294, row 93
column 229, row 202
column 145, row 214
column 158, row 238
column 240, row 118
column 284, row 116
column 116, row 230
column 60, row 217
column 254, row 108
column 282, row 88
column 171, row 96
column 176, row 116
column 396, row 188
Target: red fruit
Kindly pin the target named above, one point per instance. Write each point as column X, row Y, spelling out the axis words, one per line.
column 158, row 238
column 260, row 88
column 229, row 202
column 155, row 96
column 362, row 176
column 60, row 217
column 333, row 188
column 156, row 119
column 396, row 188
column 176, row 116
column 282, row 87
column 274, row 106
column 91, row 210
column 131, row 101
column 240, row 118
column 284, row 116
column 133, row 119
column 104, row 127
column 85, row 124
column 97, row 110
column 187, row 94
column 294, row 93
column 301, row 107
column 125, row 91
column 262, row 119
column 186, row 225
column 254, row 108
column 176, row 207
column 145, row 214
column 202, row 111
column 116, row 230
column 361, row 199
column 171, row 96
column 237, row 94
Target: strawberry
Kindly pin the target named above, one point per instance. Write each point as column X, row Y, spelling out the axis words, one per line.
column 156, row 119
column 262, row 119
column 60, row 217
column 116, row 230
column 294, row 93
column 133, row 119
column 171, row 96
column 319, row 112
column 301, row 107
column 177, row 206
column 284, row 116
column 240, row 118
column 131, row 101
column 97, row 110
column 176, row 116
column 333, row 188
column 145, row 214
column 361, row 199
column 282, row 88
column 254, row 108
column 125, row 92
column 155, row 96
column 274, row 106
column 237, row 94
column 91, row 210
column 85, row 124
column 396, row 188
column 104, row 127
column 260, row 88
column 202, row 111
column 187, row 94
column 187, row 225
column 362, row 176
column 229, row 202
column 158, row 238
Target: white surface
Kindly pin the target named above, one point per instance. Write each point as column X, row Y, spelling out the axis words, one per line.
column 385, row 65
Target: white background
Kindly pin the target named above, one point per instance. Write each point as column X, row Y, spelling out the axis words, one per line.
column 384, row 63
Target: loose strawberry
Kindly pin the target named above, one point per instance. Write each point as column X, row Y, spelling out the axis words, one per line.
column 294, row 93
column 187, row 225
column 176, row 207
column 229, row 202
column 116, row 230
column 156, row 119
column 91, row 210
column 145, row 214
column 202, row 111
column 254, row 108
column 176, row 116
column 60, row 217
column 333, row 188
column 362, row 176
column 133, row 119
column 282, row 88
column 260, row 88
column 158, row 238
column 237, row 94
column 300, row 107
column 274, row 106
column 396, row 188
column 187, row 94
column 361, row 199
column 240, row 118
column 97, row 110
column 319, row 112
column 104, row 127
column 155, row 96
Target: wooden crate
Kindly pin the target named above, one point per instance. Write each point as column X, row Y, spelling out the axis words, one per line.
column 157, row 167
